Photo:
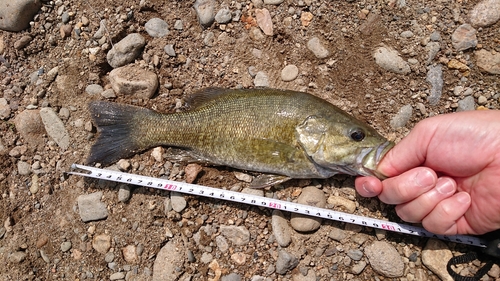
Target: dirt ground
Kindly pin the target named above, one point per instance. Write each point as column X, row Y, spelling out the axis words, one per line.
column 348, row 78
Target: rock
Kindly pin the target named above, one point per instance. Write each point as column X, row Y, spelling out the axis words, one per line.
column 124, row 193
column 285, row 262
column 306, row 18
column 65, row 30
column 488, row 62
column 390, row 60
column 314, row 45
column 238, row 235
column 485, row 13
column 253, row 191
column 17, row 257
column 222, row 243
column 168, row 260
column 108, row 94
column 289, row 73
column 94, row 89
column 178, row 201
column 117, row 276
column 264, row 21
column 4, row 109
column 385, row 259
column 101, row 243
column 435, row 256
column 273, row 2
column 101, row 31
column 464, row 37
column 65, row 246
column 15, row 15
column 406, row 34
column 23, row 168
column 432, row 50
column 22, row 42
column 130, row 253
column 156, row 27
column 435, row 78
column 337, row 234
column 128, row 80
column 91, row 208
column 223, row 16
column 281, row 230
column 347, row 204
column 243, row 177
column 310, row 276
column 482, row 100
column 358, row 268
column 205, row 11
column 231, row 277
column 55, row 127
column 355, row 254
column 402, row 117
column 311, row 196
column 261, row 79
column 191, row 171
column 126, row 51
column 169, row 49
column 206, row 258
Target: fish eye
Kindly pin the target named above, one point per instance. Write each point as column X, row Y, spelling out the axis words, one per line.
column 357, row 134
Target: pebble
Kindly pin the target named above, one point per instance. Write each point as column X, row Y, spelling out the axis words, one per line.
column 281, row 230
column 55, row 127
column 432, row 50
column 101, row 243
column 264, row 21
column 482, row 100
column 91, row 208
column 485, row 13
column 435, row 256
column 316, row 47
column 124, row 193
column 273, row 2
column 108, row 94
column 348, row 205
column 253, row 191
column 4, row 109
column 488, row 62
column 464, row 37
column 402, row 117
column 238, row 235
column 231, row 277
column 435, row 78
column 94, row 89
column 65, row 246
column 132, row 80
column 261, row 79
column 130, row 253
column 23, row 168
column 205, row 11
column 101, row 31
column 243, row 177
column 109, row 257
column 17, row 257
column 34, row 183
column 209, row 39
column 206, row 258
column 178, row 25
column 22, row 42
column 311, row 196
column 435, row 36
column 289, row 73
column 179, row 203
column 239, row 258
column 222, row 244
column 285, row 262
column 355, row 254
column 406, row 34
column 385, row 259
column 169, row 49
column 15, row 15
column 337, row 234
column 65, row 30
column 117, row 276
column 156, row 27
column 390, row 60
column 358, row 267
column 126, row 51
column 191, row 171
column 223, row 16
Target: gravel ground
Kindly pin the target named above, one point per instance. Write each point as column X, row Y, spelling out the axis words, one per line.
column 390, row 63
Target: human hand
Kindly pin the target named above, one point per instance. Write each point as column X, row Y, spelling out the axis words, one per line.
column 444, row 174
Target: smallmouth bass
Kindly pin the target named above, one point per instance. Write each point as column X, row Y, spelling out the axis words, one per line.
column 284, row 134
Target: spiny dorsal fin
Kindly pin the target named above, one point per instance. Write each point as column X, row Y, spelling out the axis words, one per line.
column 202, row 97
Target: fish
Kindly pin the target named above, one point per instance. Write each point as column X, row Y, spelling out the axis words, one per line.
column 282, row 134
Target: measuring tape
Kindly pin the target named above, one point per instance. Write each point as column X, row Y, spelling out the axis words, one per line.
column 260, row 201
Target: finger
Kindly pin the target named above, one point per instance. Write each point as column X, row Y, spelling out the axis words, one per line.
column 407, row 186
column 368, row 186
column 443, row 219
column 416, row 210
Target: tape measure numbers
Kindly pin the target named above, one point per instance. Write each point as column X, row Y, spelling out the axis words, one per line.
column 260, row 201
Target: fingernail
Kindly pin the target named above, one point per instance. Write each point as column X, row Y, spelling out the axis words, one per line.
column 463, row 197
column 424, row 179
column 367, row 188
column 445, row 186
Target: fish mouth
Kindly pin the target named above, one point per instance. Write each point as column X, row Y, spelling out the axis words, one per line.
column 368, row 159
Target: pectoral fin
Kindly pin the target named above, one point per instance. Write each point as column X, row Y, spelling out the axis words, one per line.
column 266, row 180
column 310, row 134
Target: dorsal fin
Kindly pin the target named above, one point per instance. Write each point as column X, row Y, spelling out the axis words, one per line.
column 205, row 96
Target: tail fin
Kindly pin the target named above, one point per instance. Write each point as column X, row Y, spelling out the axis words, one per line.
column 118, row 130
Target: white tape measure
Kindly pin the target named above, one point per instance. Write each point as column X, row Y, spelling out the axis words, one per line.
column 260, row 201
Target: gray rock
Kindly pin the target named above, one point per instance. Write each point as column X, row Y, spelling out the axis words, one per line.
column 55, row 127
column 23, row 168
column 178, row 25
column 285, row 262
column 464, row 37
column 273, row 2
column 311, row 196
column 168, row 261
column 206, row 258
column 231, row 277
column 117, row 276
column 289, row 73
column 435, row 78
column 15, row 15
column 316, row 47
column 178, row 201
column 222, row 244
column 402, row 117
column 65, row 17
column 238, row 235
column 91, row 208
column 390, row 60
column 169, row 49
column 485, row 13
column 4, row 109
column 358, row 268
column 281, row 230
column 406, row 34
column 223, row 16
column 101, row 31
column 337, row 234
column 108, row 94
column 65, row 246
column 385, row 259
column 126, row 51
column 432, row 50
column 205, row 11
column 261, row 79
column 17, row 257
column 209, row 39
column 124, row 193
column 253, row 191
column 435, row 256
column 355, row 254
column 435, row 36
column 156, row 27
column 487, row 61
column 94, row 89
column 128, row 80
